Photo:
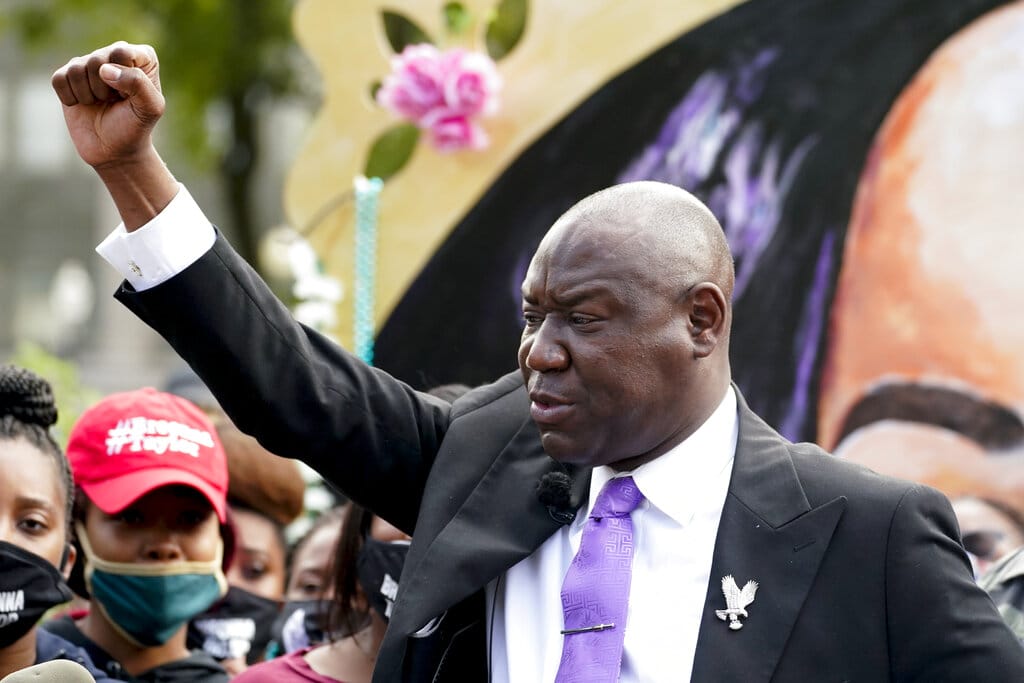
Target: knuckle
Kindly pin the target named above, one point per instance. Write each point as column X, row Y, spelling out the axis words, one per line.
column 120, row 53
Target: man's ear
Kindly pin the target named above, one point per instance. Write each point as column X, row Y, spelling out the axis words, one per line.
column 68, row 560
column 708, row 313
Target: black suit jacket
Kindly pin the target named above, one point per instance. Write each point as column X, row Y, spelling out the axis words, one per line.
column 862, row 577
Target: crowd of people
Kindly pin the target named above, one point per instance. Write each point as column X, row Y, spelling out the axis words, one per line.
column 611, row 512
column 163, row 557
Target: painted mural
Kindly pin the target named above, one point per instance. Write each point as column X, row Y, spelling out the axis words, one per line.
column 865, row 159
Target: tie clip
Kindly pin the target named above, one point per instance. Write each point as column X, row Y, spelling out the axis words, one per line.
column 586, row 629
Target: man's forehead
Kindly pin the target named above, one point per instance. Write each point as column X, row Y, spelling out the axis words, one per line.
column 585, row 250
column 601, row 231
column 571, row 263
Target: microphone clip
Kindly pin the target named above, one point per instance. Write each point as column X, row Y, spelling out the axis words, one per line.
column 554, row 491
column 561, row 516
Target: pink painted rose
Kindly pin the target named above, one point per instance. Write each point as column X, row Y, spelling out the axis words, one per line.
column 442, row 92
column 471, row 83
column 454, row 132
column 413, row 88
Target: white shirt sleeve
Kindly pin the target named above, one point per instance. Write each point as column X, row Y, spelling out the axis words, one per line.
column 175, row 239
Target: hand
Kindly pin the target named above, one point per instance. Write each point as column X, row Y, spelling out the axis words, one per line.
column 112, row 101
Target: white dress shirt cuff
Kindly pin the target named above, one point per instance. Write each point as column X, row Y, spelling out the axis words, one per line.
column 175, row 239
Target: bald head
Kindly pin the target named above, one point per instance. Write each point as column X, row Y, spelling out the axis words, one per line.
column 627, row 314
column 683, row 242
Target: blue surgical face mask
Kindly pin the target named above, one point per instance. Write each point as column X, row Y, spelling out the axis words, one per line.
column 148, row 603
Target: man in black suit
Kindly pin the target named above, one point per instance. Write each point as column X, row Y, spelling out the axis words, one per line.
column 624, row 368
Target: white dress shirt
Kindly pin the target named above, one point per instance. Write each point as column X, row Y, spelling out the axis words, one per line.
column 674, row 527
column 162, row 248
column 674, row 539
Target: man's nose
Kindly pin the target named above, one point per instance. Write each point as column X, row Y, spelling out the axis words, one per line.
column 547, row 351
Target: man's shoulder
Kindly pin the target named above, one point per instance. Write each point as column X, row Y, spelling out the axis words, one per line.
column 505, row 393
column 875, row 505
column 825, row 476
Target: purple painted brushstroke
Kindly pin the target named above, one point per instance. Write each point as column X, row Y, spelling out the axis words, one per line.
column 690, row 139
column 808, row 340
column 756, row 198
column 707, row 123
column 749, row 83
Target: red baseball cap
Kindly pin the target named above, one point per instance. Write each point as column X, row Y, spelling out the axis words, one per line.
column 131, row 443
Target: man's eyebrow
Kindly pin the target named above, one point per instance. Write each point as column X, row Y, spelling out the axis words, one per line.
column 987, row 423
column 578, row 295
column 573, row 296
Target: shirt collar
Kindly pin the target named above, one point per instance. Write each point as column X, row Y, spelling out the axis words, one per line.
column 676, row 482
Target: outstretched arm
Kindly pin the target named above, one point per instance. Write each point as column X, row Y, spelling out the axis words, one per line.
column 299, row 394
column 112, row 102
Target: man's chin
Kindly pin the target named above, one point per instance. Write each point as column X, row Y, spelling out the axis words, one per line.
column 564, row 449
column 570, row 451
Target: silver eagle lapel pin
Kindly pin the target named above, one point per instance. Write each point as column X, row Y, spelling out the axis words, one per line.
column 736, row 601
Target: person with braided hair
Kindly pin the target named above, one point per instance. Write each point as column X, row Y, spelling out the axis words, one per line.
column 36, row 498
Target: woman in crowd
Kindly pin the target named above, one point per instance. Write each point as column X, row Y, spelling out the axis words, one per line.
column 35, row 509
column 150, row 522
column 303, row 621
column 365, row 572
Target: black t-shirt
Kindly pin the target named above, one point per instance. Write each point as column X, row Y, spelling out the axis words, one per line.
column 198, row 666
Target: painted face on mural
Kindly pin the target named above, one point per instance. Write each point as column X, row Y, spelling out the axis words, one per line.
column 924, row 376
column 617, row 344
column 989, row 529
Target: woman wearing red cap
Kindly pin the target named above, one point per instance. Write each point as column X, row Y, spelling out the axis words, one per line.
column 150, row 526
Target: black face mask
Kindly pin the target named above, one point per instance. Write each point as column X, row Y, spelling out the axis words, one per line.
column 29, row 586
column 238, row 626
column 379, row 567
column 300, row 624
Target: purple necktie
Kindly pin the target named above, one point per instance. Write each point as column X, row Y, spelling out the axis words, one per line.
column 595, row 594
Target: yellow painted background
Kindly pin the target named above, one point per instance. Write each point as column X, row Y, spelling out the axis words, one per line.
column 570, row 48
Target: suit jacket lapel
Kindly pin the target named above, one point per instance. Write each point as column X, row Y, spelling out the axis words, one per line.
column 770, row 534
column 500, row 523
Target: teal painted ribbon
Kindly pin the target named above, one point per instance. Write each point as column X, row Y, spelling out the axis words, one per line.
column 367, row 192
